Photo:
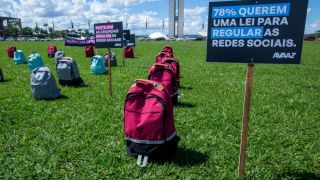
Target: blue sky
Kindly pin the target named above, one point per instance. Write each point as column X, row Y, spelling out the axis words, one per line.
column 136, row 12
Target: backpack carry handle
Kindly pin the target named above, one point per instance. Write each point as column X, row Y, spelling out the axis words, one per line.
column 169, row 59
column 142, row 163
column 154, row 84
column 158, row 65
column 67, row 58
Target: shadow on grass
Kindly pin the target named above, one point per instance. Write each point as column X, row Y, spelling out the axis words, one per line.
column 186, row 87
column 6, row 80
column 185, row 104
column 77, row 86
column 61, row 97
column 185, row 157
column 298, row 175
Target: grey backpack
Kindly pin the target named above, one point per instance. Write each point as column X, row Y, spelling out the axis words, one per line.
column 43, row 84
column 68, row 72
column 58, row 55
column 1, row 76
column 113, row 59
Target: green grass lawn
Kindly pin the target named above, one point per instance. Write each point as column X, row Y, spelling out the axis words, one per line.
column 81, row 136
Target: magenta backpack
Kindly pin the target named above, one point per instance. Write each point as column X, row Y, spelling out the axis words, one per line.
column 148, row 122
column 164, row 74
column 161, row 56
column 51, row 51
column 168, row 49
column 174, row 64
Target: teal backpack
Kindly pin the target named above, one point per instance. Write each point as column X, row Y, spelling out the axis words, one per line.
column 97, row 65
column 34, row 61
column 19, row 57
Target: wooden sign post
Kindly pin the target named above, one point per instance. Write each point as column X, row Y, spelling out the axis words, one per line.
column 245, row 120
column 110, row 72
column 126, row 37
column 123, row 51
column 109, row 35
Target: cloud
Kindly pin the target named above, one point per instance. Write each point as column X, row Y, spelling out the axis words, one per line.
column 313, row 26
column 128, row 2
column 197, row 11
column 309, row 11
column 193, row 20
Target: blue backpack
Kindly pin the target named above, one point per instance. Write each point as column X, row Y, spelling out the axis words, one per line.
column 97, row 65
column 34, row 61
column 19, row 57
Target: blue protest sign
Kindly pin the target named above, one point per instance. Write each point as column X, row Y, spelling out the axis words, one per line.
column 260, row 31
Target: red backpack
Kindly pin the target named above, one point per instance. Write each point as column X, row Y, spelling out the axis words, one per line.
column 128, row 52
column 174, row 63
column 163, row 74
column 10, row 51
column 51, row 51
column 89, row 50
column 148, row 122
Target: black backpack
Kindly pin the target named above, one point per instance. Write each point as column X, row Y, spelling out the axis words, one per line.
column 1, row 76
column 68, row 72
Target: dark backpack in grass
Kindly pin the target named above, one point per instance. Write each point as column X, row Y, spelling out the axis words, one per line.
column 68, row 72
column 1, row 76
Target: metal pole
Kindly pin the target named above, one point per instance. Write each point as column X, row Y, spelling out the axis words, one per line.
column 110, row 74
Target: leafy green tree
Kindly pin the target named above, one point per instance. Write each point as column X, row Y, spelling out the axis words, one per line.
column 86, row 32
column 46, row 25
column 27, row 31
column 51, row 32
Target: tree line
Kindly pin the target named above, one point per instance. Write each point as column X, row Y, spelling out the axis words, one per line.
column 13, row 30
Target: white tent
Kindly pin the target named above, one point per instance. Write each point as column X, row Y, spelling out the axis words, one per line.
column 158, row 36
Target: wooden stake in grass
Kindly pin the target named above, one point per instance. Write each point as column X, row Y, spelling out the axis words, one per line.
column 110, row 74
column 245, row 121
column 123, row 51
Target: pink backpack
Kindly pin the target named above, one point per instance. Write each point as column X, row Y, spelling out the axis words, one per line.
column 175, row 66
column 128, row 52
column 51, row 51
column 161, row 56
column 168, row 49
column 148, row 122
column 164, row 74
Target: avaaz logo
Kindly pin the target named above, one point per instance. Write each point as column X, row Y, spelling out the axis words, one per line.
column 284, row 55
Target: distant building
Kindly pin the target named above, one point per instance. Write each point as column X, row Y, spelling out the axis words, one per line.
column 176, row 18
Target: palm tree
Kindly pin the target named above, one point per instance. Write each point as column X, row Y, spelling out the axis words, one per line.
column 46, row 25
